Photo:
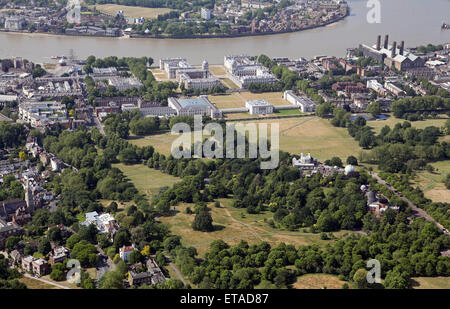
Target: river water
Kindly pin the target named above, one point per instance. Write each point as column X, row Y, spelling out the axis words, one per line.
column 414, row 21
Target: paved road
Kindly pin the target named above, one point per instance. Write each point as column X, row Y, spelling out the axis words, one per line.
column 175, row 269
column 99, row 125
column 47, row 281
column 418, row 212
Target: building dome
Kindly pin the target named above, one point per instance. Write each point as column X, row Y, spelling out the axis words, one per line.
column 205, row 65
column 349, row 169
column 147, row 31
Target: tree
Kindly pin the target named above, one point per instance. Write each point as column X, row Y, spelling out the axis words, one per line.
column 374, row 108
column 44, row 246
column 360, row 278
column 22, row 156
column 57, row 273
column 111, row 280
column 352, row 160
column 396, row 280
column 11, row 243
column 203, row 222
column 447, row 181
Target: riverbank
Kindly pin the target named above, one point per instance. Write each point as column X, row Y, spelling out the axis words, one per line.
column 240, row 35
column 209, row 36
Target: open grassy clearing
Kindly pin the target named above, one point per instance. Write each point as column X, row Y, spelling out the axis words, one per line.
column 232, row 227
column 35, row 284
column 305, row 134
column 160, row 75
column 319, row 281
column 218, row 70
column 431, row 183
column 377, row 125
column 316, row 136
column 147, row 180
column 64, row 283
column 161, row 142
column 274, row 98
column 131, row 11
column 288, row 112
column 120, row 205
column 230, row 100
column 227, row 82
column 430, row 282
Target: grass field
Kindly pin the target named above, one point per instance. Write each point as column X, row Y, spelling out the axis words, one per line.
column 218, row 70
column 160, row 75
column 131, row 11
column 430, row 283
column 305, row 134
column 232, row 227
column 431, row 183
column 274, row 98
column 227, row 82
column 318, row 281
column 34, row 284
column 234, row 100
column 392, row 121
column 161, row 142
column 147, row 180
column 316, row 136
column 288, row 112
column 229, row 100
column 64, row 283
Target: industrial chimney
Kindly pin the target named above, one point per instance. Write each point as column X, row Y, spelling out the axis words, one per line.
column 394, row 49
column 402, row 47
column 379, row 42
column 386, row 41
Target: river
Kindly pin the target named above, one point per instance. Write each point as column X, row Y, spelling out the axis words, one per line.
column 414, row 21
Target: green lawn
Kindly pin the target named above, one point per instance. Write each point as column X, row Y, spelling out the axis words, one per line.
column 392, row 121
column 147, row 180
column 288, row 112
column 233, row 225
column 430, row 283
column 319, row 281
column 432, row 183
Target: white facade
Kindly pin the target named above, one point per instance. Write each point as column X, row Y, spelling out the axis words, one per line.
column 259, row 107
column 304, row 103
column 376, row 86
column 243, row 71
column 205, row 13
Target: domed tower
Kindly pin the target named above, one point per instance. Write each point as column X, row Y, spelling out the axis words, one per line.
column 205, row 65
column 349, row 169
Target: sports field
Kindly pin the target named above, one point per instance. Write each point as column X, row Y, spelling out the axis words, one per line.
column 131, row 11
